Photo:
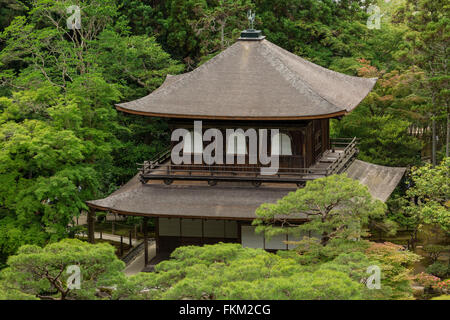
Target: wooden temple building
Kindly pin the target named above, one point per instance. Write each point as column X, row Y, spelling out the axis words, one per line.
column 252, row 84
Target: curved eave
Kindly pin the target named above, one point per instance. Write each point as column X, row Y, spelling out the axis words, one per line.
column 213, row 117
column 154, row 215
column 373, row 82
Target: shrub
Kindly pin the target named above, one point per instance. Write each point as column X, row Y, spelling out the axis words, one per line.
column 439, row 269
column 426, row 280
column 435, row 250
column 443, row 286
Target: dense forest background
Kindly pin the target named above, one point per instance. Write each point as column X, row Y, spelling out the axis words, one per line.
column 62, row 141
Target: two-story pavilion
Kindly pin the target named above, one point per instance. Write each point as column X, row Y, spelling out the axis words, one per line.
column 253, row 84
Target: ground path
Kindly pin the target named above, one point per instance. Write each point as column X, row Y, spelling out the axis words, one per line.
column 137, row 264
column 115, row 238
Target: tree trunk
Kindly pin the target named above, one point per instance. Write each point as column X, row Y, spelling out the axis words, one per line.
column 433, row 141
column 91, row 225
column 145, row 227
column 324, row 239
column 413, row 239
column 447, row 142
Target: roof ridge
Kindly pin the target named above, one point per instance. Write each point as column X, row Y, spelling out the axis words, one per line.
column 342, row 76
column 294, row 74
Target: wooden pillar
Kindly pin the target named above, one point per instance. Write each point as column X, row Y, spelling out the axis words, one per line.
column 203, row 231
column 90, row 223
column 130, row 239
column 144, row 227
column 239, row 230
column 157, row 234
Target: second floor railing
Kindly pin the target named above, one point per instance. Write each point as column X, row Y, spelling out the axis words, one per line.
column 161, row 168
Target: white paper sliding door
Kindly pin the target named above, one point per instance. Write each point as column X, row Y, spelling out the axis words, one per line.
column 276, row 242
column 250, row 239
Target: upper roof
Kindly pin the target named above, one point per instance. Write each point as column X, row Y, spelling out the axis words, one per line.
column 254, row 80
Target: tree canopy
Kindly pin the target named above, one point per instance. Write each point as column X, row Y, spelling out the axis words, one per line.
column 429, row 195
column 334, row 207
column 44, row 273
column 229, row 271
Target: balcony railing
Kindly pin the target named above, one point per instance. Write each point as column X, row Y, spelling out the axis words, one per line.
column 159, row 168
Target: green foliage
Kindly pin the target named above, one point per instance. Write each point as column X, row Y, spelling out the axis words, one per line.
column 384, row 120
column 429, row 195
column 335, row 206
column 396, row 209
column 428, row 35
column 426, row 280
column 396, row 264
column 383, row 140
column 220, row 24
column 322, row 31
column 42, row 272
column 434, row 251
column 228, row 271
column 9, row 9
column 61, row 140
column 443, row 297
column 439, row 269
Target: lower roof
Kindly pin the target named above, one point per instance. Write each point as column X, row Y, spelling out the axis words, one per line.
column 189, row 201
column 233, row 202
column 380, row 180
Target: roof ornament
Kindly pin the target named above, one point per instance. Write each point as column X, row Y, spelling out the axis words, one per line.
column 251, row 18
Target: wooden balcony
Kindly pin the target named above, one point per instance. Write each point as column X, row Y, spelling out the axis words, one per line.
column 332, row 161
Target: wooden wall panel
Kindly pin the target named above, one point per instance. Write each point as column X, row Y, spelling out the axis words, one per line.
column 191, row 228
column 306, row 150
column 169, row 226
column 214, row 228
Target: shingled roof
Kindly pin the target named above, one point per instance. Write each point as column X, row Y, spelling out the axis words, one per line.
column 254, row 80
column 227, row 201
column 189, row 201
